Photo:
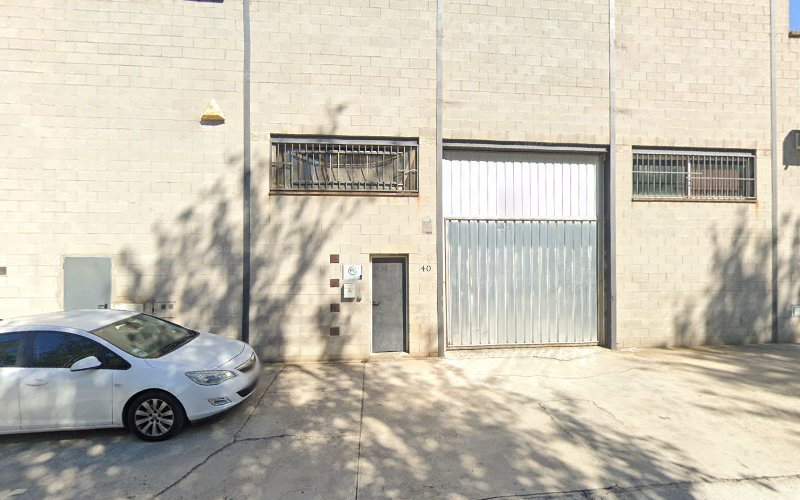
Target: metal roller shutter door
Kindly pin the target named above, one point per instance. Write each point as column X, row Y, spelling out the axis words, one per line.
column 521, row 248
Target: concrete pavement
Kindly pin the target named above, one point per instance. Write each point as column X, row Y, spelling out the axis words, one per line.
column 548, row 423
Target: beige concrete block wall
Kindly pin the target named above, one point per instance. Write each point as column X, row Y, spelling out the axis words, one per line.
column 692, row 74
column 104, row 153
column 526, row 71
column 788, row 76
column 347, row 69
column 687, row 273
column 692, row 273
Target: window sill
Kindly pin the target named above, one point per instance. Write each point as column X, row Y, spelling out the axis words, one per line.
column 695, row 200
column 298, row 192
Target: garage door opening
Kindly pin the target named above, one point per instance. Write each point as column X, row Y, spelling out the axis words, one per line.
column 522, row 245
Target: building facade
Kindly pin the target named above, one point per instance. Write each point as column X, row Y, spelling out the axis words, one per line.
column 422, row 175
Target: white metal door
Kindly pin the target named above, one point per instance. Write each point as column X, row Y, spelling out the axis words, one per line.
column 521, row 232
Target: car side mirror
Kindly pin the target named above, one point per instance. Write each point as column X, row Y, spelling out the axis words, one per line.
column 89, row 363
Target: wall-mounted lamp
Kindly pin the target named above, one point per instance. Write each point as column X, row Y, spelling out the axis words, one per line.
column 212, row 114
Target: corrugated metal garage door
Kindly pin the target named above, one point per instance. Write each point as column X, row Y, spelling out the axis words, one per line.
column 522, row 240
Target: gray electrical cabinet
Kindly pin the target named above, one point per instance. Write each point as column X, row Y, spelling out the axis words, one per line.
column 87, row 283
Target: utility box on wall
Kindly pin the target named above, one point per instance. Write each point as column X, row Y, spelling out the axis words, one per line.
column 87, row 283
column 164, row 310
column 352, row 274
column 350, row 291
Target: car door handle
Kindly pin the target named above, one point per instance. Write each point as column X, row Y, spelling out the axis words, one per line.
column 35, row 382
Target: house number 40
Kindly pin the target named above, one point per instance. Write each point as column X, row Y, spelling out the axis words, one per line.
column 426, row 268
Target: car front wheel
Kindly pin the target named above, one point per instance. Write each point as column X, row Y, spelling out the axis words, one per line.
column 155, row 416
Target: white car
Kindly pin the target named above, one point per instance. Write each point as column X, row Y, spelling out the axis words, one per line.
column 106, row 368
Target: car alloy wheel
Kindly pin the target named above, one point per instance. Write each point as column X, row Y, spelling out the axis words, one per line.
column 155, row 416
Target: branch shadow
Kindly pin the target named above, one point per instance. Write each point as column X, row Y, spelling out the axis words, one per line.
column 198, row 261
column 607, row 426
column 430, row 432
column 736, row 303
column 199, row 264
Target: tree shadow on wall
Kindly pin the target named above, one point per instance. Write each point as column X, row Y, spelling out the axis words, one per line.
column 197, row 261
column 788, row 277
column 736, row 304
column 198, row 264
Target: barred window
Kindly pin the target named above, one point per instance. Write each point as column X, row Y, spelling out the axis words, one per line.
column 700, row 175
column 343, row 165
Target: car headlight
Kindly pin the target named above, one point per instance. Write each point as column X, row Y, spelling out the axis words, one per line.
column 210, row 377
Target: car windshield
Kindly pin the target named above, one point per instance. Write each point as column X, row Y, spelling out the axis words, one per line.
column 145, row 336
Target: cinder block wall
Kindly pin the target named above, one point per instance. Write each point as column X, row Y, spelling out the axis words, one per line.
column 348, row 69
column 693, row 74
column 532, row 71
column 103, row 152
column 788, row 109
column 105, row 155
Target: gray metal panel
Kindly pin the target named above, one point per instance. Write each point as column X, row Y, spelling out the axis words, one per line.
column 773, row 131
column 87, row 282
column 511, row 185
column 609, row 235
column 246, row 174
column 389, row 304
column 513, row 282
column 456, row 145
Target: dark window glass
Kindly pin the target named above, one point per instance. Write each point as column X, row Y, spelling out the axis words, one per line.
column 317, row 164
column 706, row 176
column 111, row 361
column 62, row 350
column 9, row 348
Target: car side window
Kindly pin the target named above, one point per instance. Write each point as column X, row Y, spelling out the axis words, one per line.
column 62, row 350
column 111, row 361
column 10, row 349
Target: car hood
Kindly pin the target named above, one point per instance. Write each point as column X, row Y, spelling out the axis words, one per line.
column 206, row 352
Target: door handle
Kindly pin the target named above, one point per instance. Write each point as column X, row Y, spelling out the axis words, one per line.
column 376, row 303
column 102, row 306
column 36, row 382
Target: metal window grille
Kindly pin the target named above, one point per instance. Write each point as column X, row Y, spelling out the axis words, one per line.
column 343, row 165
column 694, row 175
